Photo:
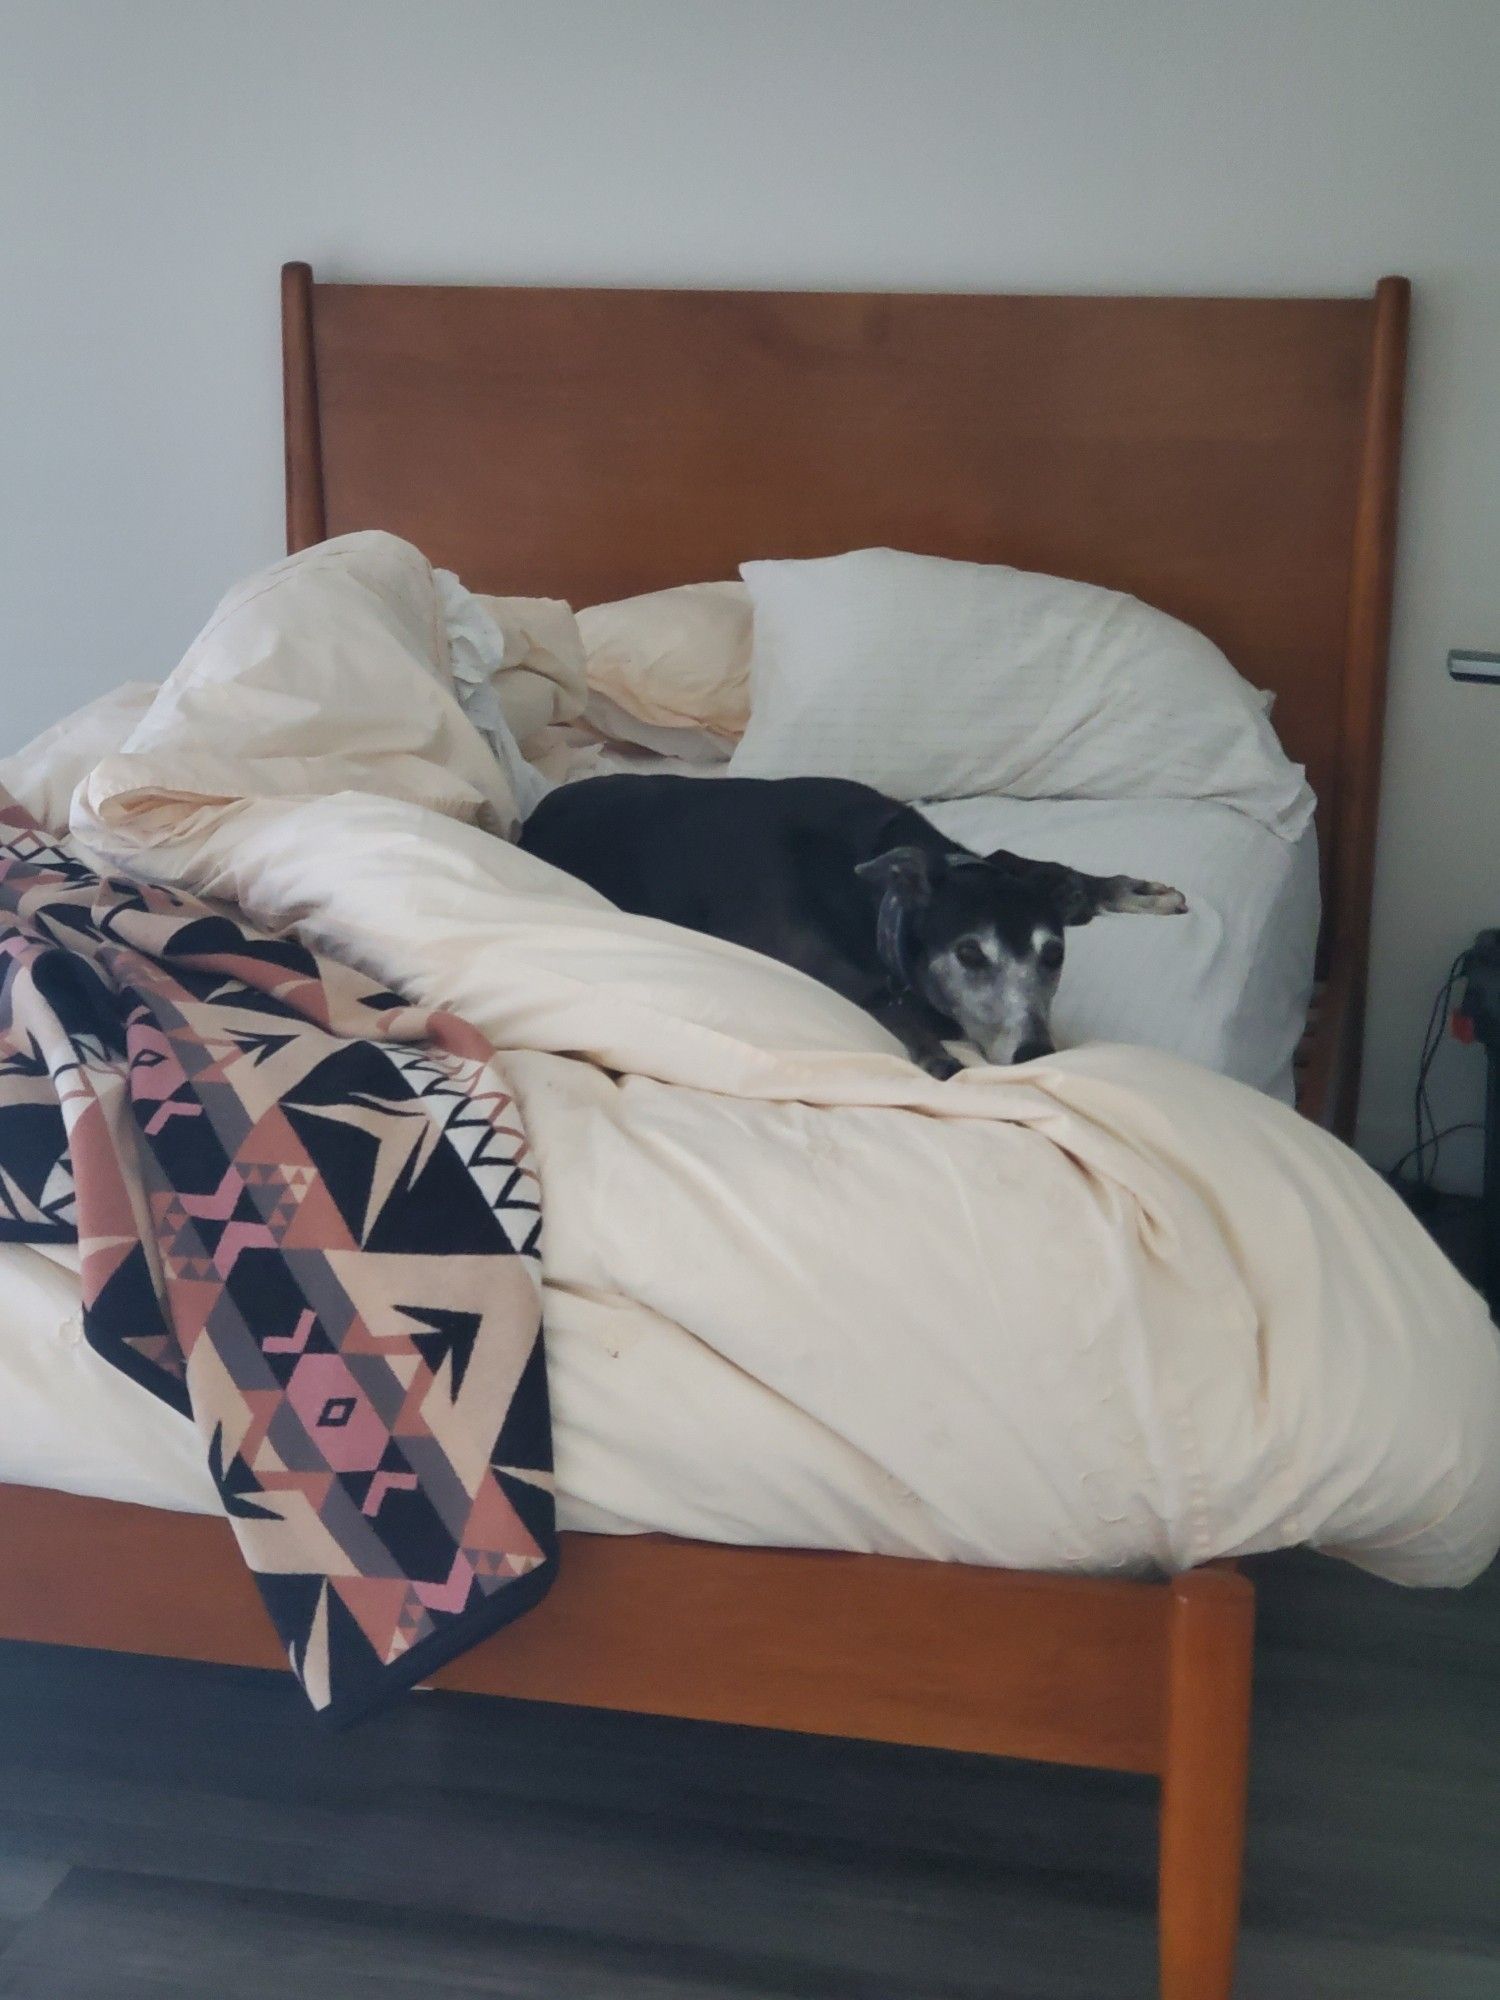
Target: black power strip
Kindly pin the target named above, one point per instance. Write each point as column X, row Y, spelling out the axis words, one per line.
column 1476, row 1018
column 1480, row 1005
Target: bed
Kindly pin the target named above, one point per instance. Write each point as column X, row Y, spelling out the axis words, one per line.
column 1232, row 461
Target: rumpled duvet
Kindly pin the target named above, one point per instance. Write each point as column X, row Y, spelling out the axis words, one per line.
column 1103, row 1312
column 305, row 1219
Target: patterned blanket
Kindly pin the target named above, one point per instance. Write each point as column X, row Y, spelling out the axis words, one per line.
column 305, row 1218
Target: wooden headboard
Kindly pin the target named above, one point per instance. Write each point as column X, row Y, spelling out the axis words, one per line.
column 1233, row 461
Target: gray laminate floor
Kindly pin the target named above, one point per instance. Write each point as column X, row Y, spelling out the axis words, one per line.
column 169, row 1831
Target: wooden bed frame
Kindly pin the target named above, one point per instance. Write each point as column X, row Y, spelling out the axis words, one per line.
column 1231, row 460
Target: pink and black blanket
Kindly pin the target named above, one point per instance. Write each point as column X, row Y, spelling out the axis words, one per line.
column 305, row 1218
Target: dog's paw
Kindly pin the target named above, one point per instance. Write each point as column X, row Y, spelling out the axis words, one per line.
column 1150, row 899
column 941, row 1065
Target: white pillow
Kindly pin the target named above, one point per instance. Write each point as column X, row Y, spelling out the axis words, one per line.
column 674, row 658
column 932, row 679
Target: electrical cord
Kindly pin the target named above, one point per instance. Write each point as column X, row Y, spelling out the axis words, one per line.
column 1429, row 1140
column 1421, row 1185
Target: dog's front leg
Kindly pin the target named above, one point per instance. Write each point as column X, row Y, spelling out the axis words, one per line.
column 915, row 1027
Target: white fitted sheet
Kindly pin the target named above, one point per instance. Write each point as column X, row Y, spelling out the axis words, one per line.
column 1228, row 984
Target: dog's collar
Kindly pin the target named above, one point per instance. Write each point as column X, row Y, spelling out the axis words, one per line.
column 893, row 940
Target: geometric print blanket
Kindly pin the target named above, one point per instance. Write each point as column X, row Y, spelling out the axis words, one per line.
column 305, row 1218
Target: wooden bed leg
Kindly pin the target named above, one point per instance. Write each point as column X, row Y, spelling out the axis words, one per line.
column 1203, row 1782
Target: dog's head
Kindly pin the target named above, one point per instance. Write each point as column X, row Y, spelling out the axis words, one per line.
column 981, row 938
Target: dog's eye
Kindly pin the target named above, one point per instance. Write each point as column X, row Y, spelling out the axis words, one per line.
column 1051, row 954
column 970, row 952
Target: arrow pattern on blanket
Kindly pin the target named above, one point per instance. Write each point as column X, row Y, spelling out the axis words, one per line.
column 306, row 1217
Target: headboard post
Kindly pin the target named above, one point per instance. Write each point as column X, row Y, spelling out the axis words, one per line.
column 1366, row 658
column 305, row 520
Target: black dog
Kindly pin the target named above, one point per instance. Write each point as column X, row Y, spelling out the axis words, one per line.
column 836, row 879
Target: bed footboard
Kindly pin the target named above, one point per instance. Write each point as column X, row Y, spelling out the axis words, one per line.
column 1148, row 1677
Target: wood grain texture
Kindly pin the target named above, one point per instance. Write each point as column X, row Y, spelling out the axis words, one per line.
column 1206, row 1761
column 305, row 520
column 1066, row 1669
column 1371, row 587
column 1326, row 1053
column 1230, row 460
column 178, row 1832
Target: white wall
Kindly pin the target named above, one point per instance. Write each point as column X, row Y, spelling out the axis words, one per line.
column 159, row 159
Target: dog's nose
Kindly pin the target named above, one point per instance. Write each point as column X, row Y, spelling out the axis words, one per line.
column 1030, row 1051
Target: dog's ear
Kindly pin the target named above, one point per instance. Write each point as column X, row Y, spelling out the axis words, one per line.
column 1079, row 898
column 906, row 871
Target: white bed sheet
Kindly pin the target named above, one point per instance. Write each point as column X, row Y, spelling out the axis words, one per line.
column 1227, row 985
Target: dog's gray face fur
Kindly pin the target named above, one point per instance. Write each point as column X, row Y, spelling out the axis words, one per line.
column 981, row 939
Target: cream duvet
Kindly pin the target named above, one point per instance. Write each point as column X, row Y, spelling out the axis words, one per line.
column 1104, row 1312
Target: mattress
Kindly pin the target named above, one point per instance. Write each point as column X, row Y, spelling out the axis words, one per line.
column 788, row 1304
column 1108, row 1311
column 1227, row 985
